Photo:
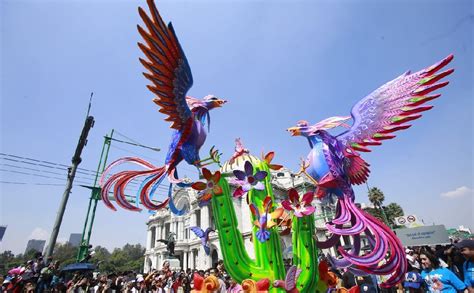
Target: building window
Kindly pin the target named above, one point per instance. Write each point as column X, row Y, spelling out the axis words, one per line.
column 153, row 237
column 167, row 231
column 198, row 218
column 211, row 221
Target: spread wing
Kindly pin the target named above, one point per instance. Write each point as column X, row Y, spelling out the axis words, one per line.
column 291, row 278
column 198, row 231
column 167, row 66
column 388, row 108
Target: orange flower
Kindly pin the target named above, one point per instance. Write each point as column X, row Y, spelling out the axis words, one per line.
column 209, row 188
column 268, row 159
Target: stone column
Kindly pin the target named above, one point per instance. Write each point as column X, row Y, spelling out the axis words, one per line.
column 185, row 260
column 205, row 217
column 180, row 232
column 157, row 261
column 159, row 231
column 148, row 238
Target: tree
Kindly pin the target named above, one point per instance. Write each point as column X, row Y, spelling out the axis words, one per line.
column 386, row 214
column 393, row 210
column 376, row 197
column 65, row 253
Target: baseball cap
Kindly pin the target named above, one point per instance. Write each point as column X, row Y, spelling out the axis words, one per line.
column 412, row 280
column 465, row 243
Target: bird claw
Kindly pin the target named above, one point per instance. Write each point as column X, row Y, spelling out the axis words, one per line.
column 214, row 158
column 303, row 166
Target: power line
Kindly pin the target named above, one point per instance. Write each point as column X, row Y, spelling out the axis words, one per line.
column 57, row 166
column 136, row 144
column 63, row 167
column 133, row 182
column 30, row 183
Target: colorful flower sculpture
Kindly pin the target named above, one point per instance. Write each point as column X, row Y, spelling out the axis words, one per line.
column 248, row 180
column 299, row 207
column 251, row 286
column 265, row 220
column 268, row 159
column 268, row 261
column 209, row 188
column 205, row 285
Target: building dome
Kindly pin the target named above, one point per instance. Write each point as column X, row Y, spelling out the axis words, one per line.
column 238, row 163
column 238, row 159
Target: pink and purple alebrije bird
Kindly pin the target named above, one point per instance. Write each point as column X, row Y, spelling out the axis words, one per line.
column 171, row 78
column 289, row 285
column 204, row 236
column 335, row 164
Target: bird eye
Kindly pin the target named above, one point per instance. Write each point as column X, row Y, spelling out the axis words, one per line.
column 213, row 99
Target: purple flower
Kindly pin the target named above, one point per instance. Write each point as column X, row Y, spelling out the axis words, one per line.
column 247, row 180
column 299, row 207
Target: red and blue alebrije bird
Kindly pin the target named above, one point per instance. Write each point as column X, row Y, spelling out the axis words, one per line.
column 335, row 164
column 171, row 78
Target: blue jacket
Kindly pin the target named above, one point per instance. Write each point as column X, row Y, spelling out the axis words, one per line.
column 442, row 279
column 468, row 272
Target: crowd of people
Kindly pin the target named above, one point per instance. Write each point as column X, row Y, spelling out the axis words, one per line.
column 431, row 269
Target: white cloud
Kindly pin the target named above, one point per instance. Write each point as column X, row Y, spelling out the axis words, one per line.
column 39, row 233
column 458, row 192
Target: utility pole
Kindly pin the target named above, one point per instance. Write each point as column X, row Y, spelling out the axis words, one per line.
column 84, row 248
column 76, row 160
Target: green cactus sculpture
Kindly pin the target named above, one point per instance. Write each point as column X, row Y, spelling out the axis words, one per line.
column 268, row 262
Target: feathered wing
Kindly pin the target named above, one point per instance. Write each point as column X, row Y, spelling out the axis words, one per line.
column 167, row 66
column 198, row 231
column 291, row 277
column 388, row 108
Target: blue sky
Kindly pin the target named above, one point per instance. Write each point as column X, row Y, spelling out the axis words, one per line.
column 275, row 62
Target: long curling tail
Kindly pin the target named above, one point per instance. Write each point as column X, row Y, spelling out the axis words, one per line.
column 381, row 239
column 119, row 181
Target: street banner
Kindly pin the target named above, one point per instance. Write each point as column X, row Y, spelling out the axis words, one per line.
column 425, row 235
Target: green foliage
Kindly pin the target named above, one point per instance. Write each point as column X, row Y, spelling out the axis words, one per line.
column 376, row 197
column 128, row 258
column 393, row 210
column 65, row 254
column 7, row 261
column 386, row 214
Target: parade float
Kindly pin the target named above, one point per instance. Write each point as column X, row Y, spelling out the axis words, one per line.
column 334, row 164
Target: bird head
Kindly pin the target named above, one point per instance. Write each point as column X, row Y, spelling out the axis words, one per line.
column 301, row 128
column 279, row 284
column 212, row 102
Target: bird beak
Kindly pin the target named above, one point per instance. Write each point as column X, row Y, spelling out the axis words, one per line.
column 219, row 103
column 294, row 131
